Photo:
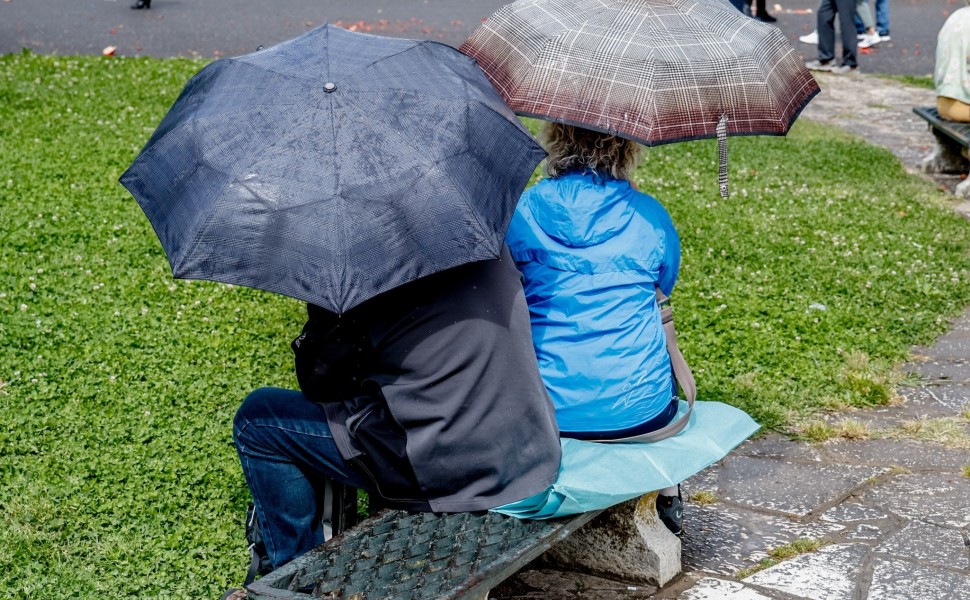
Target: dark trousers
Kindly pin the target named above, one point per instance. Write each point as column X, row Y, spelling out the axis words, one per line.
column 845, row 9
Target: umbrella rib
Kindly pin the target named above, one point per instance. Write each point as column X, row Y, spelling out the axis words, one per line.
column 435, row 165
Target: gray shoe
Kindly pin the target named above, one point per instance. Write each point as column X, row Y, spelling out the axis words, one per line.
column 817, row 65
column 844, row 70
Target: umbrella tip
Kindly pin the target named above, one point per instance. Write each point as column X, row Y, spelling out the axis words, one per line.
column 329, row 87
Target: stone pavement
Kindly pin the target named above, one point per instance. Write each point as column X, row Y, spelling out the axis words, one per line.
column 891, row 507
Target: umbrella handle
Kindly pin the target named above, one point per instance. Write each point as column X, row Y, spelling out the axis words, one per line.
column 722, row 155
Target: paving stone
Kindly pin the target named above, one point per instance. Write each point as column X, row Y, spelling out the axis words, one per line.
column 936, row 498
column 830, row 573
column 794, row 489
column 928, row 544
column 851, row 512
column 911, row 454
column 935, row 400
column 723, row 540
column 936, row 370
column 865, row 531
column 778, row 446
column 900, row 580
column 954, row 345
column 710, row 588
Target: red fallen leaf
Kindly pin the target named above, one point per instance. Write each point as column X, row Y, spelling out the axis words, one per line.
column 917, row 45
column 113, row 31
column 457, row 23
column 917, row 53
column 309, row 23
column 426, row 30
column 217, row 52
column 109, row 50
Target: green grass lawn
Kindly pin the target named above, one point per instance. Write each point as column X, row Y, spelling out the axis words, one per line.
column 118, row 384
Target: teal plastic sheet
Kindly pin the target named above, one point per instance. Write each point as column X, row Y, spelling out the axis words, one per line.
column 595, row 476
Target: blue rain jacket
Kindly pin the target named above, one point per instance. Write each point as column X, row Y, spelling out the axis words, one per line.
column 591, row 249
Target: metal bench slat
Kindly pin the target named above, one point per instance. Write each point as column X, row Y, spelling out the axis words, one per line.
column 958, row 132
column 417, row 556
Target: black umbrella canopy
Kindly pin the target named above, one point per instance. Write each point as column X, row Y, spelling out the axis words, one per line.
column 333, row 167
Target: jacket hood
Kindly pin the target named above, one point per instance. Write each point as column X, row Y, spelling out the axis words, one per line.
column 582, row 209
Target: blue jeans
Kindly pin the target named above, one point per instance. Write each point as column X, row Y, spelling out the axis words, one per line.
column 882, row 19
column 287, row 454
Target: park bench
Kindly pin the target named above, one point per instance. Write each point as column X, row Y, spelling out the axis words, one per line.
column 416, row 556
column 952, row 152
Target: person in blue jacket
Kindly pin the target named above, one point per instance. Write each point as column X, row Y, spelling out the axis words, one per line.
column 593, row 250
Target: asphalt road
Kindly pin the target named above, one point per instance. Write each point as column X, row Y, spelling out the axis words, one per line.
column 218, row 28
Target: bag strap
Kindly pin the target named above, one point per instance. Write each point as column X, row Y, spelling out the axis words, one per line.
column 682, row 375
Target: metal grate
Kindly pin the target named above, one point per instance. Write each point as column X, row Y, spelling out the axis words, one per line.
column 403, row 556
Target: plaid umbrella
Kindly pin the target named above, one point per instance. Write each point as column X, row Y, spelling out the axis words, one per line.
column 654, row 71
column 333, row 167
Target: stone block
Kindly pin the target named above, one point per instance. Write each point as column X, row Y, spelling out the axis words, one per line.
column 827, row 574
column 627, row 542
column 710, row 588
column 928, row 544
column 937, row 498
column 789, row 488
column 899, row 580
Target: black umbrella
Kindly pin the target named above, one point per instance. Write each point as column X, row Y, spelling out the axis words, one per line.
column 333, row 167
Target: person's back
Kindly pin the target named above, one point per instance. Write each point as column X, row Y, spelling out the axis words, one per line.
column 592, row 250
column 951, row 76
column 451, row 364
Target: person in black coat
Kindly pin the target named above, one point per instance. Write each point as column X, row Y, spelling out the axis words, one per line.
column 428, row 395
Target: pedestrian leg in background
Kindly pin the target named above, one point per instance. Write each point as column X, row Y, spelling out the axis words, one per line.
column 846, row 10
column 825, row 37
column 882, row 19
column 870, row 36
column 761, row 12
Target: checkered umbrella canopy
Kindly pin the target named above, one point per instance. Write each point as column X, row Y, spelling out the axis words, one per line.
column 333, row 167
column 655, row 71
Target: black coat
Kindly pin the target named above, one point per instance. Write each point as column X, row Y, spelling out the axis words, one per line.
column 433, row 392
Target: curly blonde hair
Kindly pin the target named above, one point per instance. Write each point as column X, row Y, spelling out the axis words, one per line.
column 576, row 149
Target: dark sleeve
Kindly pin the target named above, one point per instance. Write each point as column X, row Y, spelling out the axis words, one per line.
column 332, row 355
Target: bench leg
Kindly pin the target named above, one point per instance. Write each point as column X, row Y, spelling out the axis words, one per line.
column 627, row 542
column 947, row 157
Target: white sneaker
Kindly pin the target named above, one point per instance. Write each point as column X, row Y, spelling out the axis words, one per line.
column 809, row 38
column 869, row 40
column 885, row 38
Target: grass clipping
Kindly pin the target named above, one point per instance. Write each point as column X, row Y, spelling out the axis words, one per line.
column 781, row 553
